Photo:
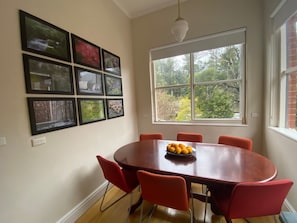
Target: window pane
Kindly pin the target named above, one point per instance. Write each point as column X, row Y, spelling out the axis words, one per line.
column 217, row 64
column 291, row 101
column 172, row 71
column 173, row 104
column 291, row 62
column 291, row 42
column 204, row 83
column 217, row 101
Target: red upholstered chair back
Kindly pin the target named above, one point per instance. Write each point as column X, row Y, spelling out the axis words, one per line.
column 165, row 190
column 243, row 143
column 189, row 136
column 254, row 199
column 150, row 136
column 123, row 179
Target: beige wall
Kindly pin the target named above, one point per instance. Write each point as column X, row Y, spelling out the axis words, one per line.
column 204, row 17
column 41, row 184
column 280, row 149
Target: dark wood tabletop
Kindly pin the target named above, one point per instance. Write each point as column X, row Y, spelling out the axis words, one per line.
column 210, row 163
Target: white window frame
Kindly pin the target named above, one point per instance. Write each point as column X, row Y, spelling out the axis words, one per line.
column 278, row 70
column 232, row 37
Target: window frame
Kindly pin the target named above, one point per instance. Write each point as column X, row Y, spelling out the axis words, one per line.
column 277, row 71
column 175, row 50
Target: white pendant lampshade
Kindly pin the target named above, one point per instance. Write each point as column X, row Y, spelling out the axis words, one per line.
column 180, row 27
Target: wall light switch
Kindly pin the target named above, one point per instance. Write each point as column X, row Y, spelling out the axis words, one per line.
column 38, row 141
column 2, row 141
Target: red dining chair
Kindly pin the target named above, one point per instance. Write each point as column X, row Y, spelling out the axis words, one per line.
column 123, row 179
column 243, row 143
column 165, row 190
column 189, row 137
column 150, row 136
column 253, row 199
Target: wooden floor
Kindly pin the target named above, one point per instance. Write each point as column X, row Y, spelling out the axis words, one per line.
column 118, row 213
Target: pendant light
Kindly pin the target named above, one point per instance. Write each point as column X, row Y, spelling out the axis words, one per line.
column 180, row 27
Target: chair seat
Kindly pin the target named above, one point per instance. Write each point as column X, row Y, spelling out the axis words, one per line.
column 252, row 199
column 164, row 190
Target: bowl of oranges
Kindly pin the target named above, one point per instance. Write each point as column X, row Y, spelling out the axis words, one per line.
column 179, row 149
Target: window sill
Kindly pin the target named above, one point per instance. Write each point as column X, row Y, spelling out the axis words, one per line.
column 289, row 133
column 220, row 124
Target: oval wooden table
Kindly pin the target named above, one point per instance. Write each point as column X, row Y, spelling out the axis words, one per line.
column 210, row 164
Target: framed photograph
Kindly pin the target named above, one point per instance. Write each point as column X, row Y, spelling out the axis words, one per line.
column 91, row 110
column 47, row 77
column 88, row 82
column 39, row 36
column 113, row 85
column 111, row 63
column 115, row 107
column 85, row 53
column 50, row 114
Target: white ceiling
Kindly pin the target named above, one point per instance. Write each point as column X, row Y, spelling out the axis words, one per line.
column 136, row 8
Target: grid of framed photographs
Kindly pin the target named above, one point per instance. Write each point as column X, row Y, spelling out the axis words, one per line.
column 83, row 88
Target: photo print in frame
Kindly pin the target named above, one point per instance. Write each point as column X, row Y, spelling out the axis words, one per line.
column 50, row 114
column 47, row 77
column 115, row 107
column 85, row 53
column 88, row 82
column 91, row 110
column 111, row 62
column 41, row 37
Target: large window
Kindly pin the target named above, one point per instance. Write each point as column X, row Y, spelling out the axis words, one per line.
column 201, row 80
column 288, row 73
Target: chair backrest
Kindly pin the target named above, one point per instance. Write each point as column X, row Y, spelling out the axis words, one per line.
column 243, row 143
column 165, row 190
column 150, row 136
column 254, row 199
column 117, row 176
column 189, row 136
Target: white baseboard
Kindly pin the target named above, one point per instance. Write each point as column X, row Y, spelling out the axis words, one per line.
column 84, row 205
column 288, row 206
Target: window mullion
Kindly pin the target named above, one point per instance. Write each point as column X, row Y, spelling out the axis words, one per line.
column 192, row 86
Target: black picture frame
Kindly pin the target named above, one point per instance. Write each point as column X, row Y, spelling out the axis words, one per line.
column 114, row 107
column 113, row 85
column 111, row 62
column 88, row 82
column 41, row 37
column 91, row 110
column 85, row 53
column 51, row 114
column 44, row 76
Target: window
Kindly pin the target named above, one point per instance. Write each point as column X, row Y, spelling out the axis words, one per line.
column 288, row 63
column 200, row 81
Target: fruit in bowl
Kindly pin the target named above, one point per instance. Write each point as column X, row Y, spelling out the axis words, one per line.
column 179, row 148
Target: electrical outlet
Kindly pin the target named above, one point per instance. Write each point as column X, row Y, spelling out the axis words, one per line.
column 38, row 141
column 2, row 141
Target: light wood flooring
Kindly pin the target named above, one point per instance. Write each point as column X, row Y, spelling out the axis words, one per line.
column 118, row 213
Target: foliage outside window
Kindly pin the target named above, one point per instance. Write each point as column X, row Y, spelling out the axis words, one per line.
column 204, row 85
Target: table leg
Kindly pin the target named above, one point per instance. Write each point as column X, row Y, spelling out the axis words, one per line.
column 136, row 205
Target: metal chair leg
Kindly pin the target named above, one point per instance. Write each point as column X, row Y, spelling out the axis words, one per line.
column 206, row 201
column 192, row 202
column 131, row 200
column 141, row 213
column 105, row 208
column 192, row 217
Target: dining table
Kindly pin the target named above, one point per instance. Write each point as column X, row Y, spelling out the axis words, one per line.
column 214, row 165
